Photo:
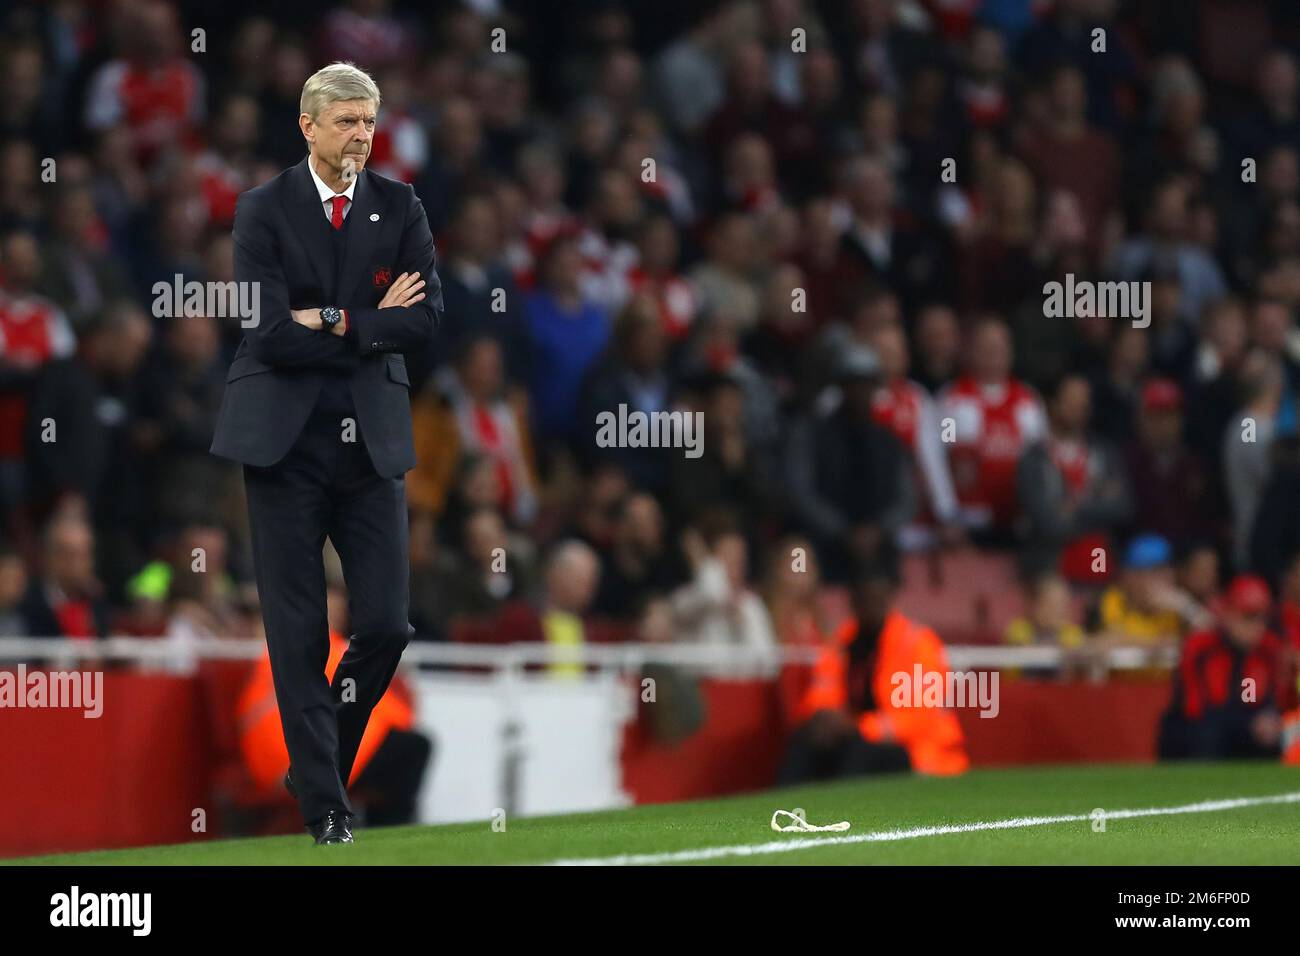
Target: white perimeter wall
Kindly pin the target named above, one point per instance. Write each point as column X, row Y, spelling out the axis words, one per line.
column 569, row 732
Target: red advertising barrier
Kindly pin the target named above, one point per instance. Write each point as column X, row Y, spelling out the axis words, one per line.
column 162, row 749
column 132, row 776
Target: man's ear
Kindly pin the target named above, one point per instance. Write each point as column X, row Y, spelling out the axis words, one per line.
column 307, row 126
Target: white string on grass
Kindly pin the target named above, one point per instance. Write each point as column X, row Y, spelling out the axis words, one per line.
column 800, row 825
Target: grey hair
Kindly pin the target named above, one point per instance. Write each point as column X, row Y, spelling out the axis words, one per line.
column 334, row 83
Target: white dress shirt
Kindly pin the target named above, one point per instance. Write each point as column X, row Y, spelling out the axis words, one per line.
column 327, row 195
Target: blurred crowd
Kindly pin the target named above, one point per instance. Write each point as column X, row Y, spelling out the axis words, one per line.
column 825, row 225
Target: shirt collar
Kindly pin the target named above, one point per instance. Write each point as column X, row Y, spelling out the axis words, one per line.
column 325, row 193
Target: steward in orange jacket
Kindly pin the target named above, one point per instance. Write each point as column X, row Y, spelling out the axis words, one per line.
column 853, row 717
column 261, row 739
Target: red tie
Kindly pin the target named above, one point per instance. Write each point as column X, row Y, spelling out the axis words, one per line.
column 336, row 216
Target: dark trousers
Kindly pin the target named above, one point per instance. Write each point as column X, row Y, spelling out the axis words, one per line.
column 327, row 487
column 811, row 755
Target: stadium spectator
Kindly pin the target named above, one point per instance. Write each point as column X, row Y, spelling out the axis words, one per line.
column 455, row 166
column 677, row 707
column 1117, row 388
column 13, row 586
column 884, row 246
column 1275, row 536
column 1247, row 440
column 367, row 32
column 1173, row 493
column 995, row 416
column 1215, row 384
column 612, row 213
column 907, row 410
column 723, row 280
column 717, row 606
column 471, row 411
column 734, row 473
column 1002, row 239
column 1225, row 703
column 781, row 345
column 1275, row 119
column 561, row 618
column 634, row 375
column 1145, row 608
column 176, row 412
column 568, row 333
column 479, row 292
column 1199, row 574
column 655, row 274
column 33, row 332
column 150, row 88
column 1068, row 154
column 849, row 720
column 1050, row 617
column 689, row 74
column 66, row 598
column 636, row 566
column 1171, row 342
column 1288, row 629
column 791, row 588
column 80, row 274
column 475, row 580
column 938, row 347
column 1073, row 492
column 200, row 603
column 1167, row 239
column 87, row 403
column 850, row 478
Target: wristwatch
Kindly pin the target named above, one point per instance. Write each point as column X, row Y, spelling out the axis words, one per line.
column 330, row 316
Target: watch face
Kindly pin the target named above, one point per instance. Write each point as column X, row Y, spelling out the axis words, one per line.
column 330, row 315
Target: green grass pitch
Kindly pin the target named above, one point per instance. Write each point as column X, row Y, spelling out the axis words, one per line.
column 1250, row 833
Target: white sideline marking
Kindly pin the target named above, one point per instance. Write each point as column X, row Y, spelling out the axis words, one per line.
column 883, row 836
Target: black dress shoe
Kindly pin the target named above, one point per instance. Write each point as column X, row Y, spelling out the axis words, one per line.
column 334, row 827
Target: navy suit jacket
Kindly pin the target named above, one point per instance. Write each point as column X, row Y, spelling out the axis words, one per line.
column 283, row 243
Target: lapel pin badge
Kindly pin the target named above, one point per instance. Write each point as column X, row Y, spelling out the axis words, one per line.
column 374, row 217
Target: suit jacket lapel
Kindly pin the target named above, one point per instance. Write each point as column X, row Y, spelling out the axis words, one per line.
column 307, row 215
column 362, row 232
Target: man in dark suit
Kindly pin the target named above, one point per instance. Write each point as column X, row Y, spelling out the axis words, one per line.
column 317, row 409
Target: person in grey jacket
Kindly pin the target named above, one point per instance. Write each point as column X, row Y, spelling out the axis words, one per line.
column 850, row 480
column 1073, row 490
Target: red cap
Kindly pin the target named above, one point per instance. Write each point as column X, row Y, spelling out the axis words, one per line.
column 1161, row 395
column 1248, row 594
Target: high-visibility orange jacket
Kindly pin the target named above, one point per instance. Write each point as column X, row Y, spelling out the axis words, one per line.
column 931, row 735
column 261, row 737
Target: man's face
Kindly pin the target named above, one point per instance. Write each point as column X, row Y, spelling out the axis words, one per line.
column 871, row 601
column 69, row 559
column 642, row 524
column 341, row 136
column 21, row 260
column 991, row 353
column 1073, row 404
column 1245, row 630
column 1144, row 585
column 1162, row 428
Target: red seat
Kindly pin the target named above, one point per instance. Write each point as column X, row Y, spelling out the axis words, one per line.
column 968, row 596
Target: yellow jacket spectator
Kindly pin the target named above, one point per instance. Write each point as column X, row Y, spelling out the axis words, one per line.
column 1050, row 619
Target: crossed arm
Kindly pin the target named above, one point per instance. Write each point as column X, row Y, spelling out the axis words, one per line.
column 403, row 293
column 292, row 337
